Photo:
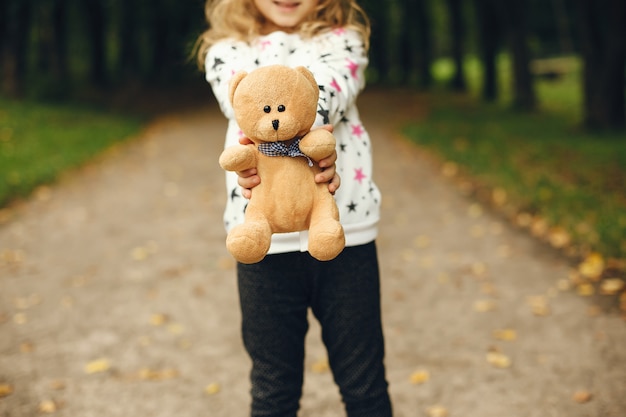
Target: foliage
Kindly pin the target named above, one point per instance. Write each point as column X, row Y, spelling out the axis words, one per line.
column 39, row 141
column 548, row 168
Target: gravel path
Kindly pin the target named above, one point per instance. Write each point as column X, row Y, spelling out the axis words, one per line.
column 118, row 298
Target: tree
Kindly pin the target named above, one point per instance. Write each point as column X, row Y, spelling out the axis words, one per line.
column 457, row 29
column 603, row 47
column 488, row 28
column 96, row 25
column 515, row 14
column 15, row 25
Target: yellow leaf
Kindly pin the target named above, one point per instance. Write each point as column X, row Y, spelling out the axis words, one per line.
column 449, row 169
column 212, row 389
column 505, row 334
column 498, row 360
column 539, row 305
column 420, row 377
column 158, row 319
column 498, row 195
column 47, row 407
column 437, row 411
column 582, row 396
column 592, row 266
column 98, row 366
column 5, row 390
column 585, row 289
column 483, row 306
column 558, row 237
column 320, row 366
column 611, row 286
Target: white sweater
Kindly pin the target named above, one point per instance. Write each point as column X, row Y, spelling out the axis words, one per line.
column 337, row 60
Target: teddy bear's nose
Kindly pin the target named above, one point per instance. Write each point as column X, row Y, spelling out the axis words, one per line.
column 275, row 124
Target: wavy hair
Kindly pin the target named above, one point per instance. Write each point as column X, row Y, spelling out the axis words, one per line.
column 240, row 19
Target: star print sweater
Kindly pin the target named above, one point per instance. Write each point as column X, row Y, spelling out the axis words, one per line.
column 337, row 60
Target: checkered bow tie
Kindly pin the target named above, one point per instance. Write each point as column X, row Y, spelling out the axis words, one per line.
column 280, row 149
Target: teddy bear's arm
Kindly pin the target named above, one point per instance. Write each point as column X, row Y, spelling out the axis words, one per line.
column 318, row 144
column 239, row 158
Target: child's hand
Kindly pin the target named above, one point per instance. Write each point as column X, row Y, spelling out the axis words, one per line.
column 329, row 174
column 248, row 179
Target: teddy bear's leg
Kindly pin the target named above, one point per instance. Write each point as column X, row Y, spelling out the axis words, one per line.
column 250, row 241
column 326, row 236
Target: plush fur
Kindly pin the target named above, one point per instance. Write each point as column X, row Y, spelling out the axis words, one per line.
column 279, row 104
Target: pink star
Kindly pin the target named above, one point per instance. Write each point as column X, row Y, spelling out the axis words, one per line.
column 357, row 130
column 339, row 31
column 335, row 85
column 265, row 44
column 359, row 176
column 353, row 66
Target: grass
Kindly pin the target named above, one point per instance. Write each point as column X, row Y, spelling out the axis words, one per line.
column 548, row 168
column 39, row 141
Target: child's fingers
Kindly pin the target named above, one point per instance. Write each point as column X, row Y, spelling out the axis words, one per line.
column 334, row 184
column 329, row 161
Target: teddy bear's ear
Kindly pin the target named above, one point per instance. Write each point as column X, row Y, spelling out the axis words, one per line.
column 234, row 82
column 309, row 77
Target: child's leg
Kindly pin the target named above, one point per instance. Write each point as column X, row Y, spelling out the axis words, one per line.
column 347, row 304
column 274, row 324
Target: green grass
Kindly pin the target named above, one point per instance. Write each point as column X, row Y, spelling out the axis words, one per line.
column 40, row 141
column 548, row 167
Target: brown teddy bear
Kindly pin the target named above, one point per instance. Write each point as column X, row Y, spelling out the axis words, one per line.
column 276, row 106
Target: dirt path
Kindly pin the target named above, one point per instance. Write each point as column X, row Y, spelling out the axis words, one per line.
column 117, row 297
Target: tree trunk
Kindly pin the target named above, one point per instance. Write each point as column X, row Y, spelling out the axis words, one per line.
column 379, row 56
column 603, row 44
column 17, row 24
column 515, row 16
column 129, row 62
column 458, row 31
column 96, row 26
column 59, row 46
column 424, row 46
column 488, row 34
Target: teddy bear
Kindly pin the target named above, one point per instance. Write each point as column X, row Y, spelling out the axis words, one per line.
column 275, row 107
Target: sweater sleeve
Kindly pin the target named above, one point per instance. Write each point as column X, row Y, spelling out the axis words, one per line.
column 339, row 68
column 223, row 60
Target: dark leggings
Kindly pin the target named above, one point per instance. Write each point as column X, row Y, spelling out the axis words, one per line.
column 344, row 295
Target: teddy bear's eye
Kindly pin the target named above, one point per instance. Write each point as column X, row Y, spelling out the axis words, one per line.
column 267, row 109
column 281, row 108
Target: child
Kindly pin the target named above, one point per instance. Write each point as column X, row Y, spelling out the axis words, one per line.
column 330, row 38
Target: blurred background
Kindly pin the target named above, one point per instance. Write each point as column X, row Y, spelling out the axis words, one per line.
column 525, row 97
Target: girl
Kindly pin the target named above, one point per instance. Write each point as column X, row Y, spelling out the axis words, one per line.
column 330, row 38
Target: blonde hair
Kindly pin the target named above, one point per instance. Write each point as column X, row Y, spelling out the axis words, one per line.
column 240, row 19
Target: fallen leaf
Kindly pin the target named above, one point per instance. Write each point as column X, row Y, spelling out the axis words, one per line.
column 483, row 306
column 320, row 366
column 5, row 390
column 449, row 169
column 582, row 397
column 539, row 305
column 97, row 366
column 611, row 286
column 437, row 411
column 157, row 375
column 475, row 210
column 505, row 334
column 419, row 377
column 559, row 237
column 585, row 289
column 47, row 407
column 498, row 360
column 158, row 319
column 212, row 389
column 592, row 266
column 499, row 196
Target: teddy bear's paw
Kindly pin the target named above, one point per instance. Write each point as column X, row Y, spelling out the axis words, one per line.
column 249, row 244
column 326, row 240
